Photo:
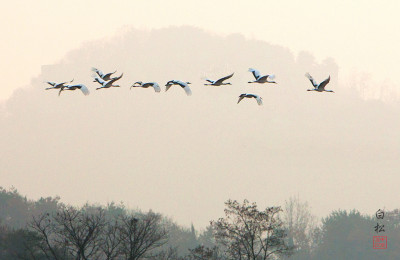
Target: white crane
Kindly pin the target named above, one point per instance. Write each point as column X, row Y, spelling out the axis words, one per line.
column 108, row 84
column 57, row 85
column 102, row 81
column 103, row 76
column 99, row 80
column 140, row 84
column 260, row 78
column 184, row 85
column 246, row 95
column 220, row 81
column 82, row 87
column 318, row 87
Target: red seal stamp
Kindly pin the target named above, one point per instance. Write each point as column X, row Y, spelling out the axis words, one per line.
column 380, row 242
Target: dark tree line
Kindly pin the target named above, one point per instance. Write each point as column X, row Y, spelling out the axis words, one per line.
column 47, row 229
column 89, row 234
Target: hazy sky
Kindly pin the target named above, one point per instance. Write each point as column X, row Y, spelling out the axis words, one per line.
column 184, row 156
column 360, row 35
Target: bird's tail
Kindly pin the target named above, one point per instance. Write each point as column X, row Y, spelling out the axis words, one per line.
column 259, row 101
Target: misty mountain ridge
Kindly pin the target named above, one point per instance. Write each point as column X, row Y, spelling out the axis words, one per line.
column 185, row 155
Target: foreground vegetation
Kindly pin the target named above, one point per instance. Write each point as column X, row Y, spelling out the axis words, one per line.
column 49, row 229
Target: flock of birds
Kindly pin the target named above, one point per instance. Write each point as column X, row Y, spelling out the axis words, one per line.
column 107, row 81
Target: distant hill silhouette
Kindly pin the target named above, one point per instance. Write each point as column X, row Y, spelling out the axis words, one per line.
column 184, row 155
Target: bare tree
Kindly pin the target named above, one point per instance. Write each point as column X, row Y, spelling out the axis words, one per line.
column 70, row 233
column 139, row 235
column 248, row 233
column 46, row 230
column 301, row 225
column 110, row 240
column 82, row 229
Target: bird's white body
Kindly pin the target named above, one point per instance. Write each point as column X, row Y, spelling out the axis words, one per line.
column 318, row 87
column 103, row 76
column 57, row 85
column 220, row 81
column 246, row 95
column 184, row 85
column 140, row 84
column 99, row 80
column 82, row 87
column 108, row 84
column 261, row 78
